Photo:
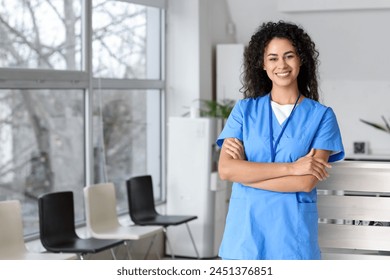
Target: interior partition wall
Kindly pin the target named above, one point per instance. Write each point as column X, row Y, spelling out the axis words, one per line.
column 81, row 98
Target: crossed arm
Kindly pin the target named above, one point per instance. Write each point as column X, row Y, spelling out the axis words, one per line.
column 299, row 176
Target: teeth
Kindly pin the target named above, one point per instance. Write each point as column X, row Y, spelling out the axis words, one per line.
column 283, row 74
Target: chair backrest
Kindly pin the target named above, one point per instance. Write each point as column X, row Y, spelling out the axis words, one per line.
column 11, row 228
column 140, row 198
column 56, row 218
column 100, row 206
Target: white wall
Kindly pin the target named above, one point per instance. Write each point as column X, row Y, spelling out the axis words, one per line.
column 194, row 28
column 182, row 73
column 354, row 52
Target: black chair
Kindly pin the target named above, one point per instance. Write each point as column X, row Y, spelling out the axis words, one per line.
column 143, row 212
column 57, row 228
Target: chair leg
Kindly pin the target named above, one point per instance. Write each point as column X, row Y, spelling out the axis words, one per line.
column 193, row 241
column 169, row 244
column 113, row 254
column 128, row 250
column 157, row 253
column 150, row 246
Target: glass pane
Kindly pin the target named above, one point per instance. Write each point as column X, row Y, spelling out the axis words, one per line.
column 127, row 138
column 40, row 34
column 126, row 39
column 42, row 136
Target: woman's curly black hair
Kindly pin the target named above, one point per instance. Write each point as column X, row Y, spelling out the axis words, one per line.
column 255, row 80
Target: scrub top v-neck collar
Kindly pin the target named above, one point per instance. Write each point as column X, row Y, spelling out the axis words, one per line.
column 283, row 125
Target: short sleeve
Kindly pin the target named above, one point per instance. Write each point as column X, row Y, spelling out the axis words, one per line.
column 233, row 125
column 328, row 136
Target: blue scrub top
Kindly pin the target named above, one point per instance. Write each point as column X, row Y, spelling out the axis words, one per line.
column 274, row 225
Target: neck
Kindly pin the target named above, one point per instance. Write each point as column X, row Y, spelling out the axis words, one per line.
column 284, row 97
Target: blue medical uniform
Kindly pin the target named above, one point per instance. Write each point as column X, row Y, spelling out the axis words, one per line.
column 276, row 225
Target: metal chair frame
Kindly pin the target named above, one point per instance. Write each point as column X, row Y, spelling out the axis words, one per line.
column 102, row 218
column 142, row 209
column 57, row 228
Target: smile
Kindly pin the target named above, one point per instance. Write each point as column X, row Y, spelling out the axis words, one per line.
column 284, row 74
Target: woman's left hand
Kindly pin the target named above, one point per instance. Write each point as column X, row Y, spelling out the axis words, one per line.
column 234, row 148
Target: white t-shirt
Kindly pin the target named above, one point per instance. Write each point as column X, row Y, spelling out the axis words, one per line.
column 281, row 111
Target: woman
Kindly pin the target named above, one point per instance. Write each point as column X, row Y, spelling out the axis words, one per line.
column 276, row 146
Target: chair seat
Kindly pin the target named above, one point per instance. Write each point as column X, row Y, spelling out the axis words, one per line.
column 125, row 232
column 166, row 220
column 83, row 246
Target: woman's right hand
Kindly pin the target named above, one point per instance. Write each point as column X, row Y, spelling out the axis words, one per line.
column 311, row 165
column 234, row 148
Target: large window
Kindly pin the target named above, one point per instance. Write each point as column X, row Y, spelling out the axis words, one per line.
column 81, row 92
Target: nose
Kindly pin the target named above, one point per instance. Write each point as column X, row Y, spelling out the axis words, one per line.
column 281, row 63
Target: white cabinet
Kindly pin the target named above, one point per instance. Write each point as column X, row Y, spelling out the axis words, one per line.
column 193, row 186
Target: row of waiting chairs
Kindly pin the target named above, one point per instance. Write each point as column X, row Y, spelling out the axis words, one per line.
column 57, row 229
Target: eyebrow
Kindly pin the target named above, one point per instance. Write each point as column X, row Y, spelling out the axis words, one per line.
column 274, row 54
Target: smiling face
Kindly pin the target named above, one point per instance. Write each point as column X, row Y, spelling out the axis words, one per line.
column 282, row 63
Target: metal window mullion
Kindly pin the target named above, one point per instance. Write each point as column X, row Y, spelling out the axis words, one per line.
column 127, row 84
column 88, row 101
column 43, row 85
column 42, row 79
column 163, row 189
column 41, row 74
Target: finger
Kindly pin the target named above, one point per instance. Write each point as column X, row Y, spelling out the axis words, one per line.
column 322, row 162
column 322, row 174
column 232, row 154
column 318, row 173
column 321, row 170
column 235, row 148
column 319, row 176
column 229, row 140
column 232, row 151
column 233, row 144
column 238, row 142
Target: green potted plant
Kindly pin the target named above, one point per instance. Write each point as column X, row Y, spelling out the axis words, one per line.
column 215, row 109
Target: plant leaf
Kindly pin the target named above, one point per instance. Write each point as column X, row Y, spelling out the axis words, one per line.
column 375, row 125
column 386, row 123
column 212, row 108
